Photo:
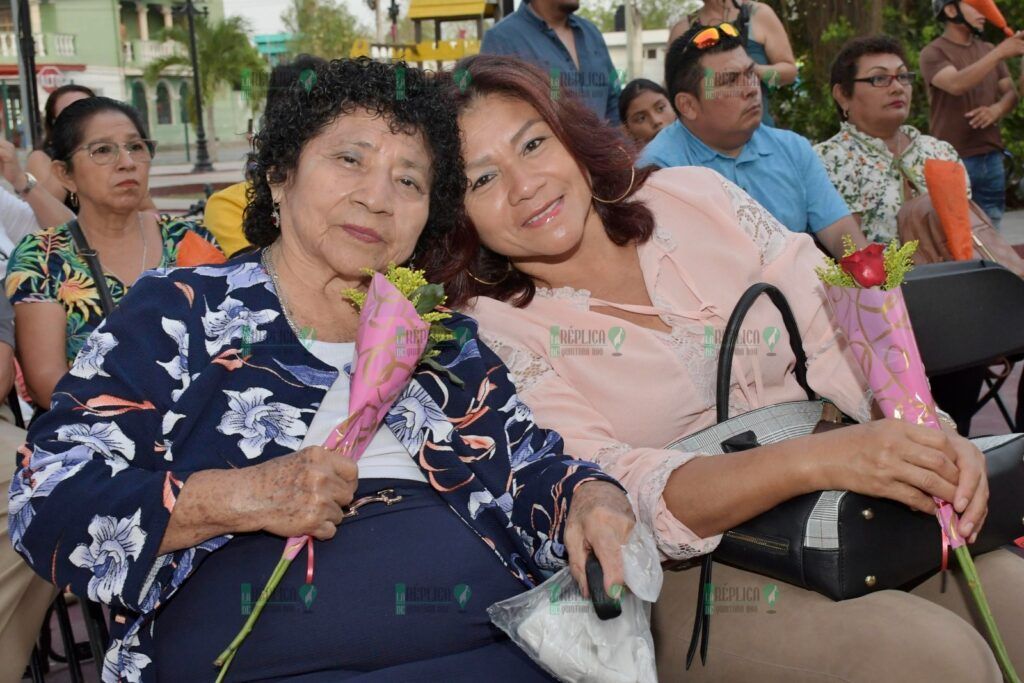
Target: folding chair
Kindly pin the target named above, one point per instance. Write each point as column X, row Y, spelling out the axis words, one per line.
column 967, row 314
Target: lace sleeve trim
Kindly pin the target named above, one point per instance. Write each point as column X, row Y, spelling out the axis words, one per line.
column 649, row 504
column 525, row 368
column 767, row 233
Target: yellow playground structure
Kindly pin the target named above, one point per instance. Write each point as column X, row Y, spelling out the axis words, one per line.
column 436, row 50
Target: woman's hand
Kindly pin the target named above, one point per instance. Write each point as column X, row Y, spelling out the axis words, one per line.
column 971, row 498
column 302, row 494
column 600, row 519
column 909, row 463
column 10, row 167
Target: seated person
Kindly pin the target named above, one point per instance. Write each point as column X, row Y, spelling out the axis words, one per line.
column 24, row 597
column 572, row 237
column 876, row 161
column 191, row 464
column 103, row 155
column 715, row 90
column 224, row 209
column 644, row 109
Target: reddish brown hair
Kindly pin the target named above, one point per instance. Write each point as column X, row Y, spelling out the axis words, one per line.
column 600, row 150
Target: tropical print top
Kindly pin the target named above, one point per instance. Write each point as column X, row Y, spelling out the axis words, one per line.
column 871, row 179
column 46, row 267
column 198, row 369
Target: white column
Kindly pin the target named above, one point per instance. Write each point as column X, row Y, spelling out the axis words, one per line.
column 142, row 9
column 34, row 19
column 634, row 42
column 168, row 16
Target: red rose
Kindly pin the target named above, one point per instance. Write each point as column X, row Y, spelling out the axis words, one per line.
column 866, row 266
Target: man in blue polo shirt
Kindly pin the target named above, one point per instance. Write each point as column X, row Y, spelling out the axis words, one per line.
column 569, row 48
column 716, row 92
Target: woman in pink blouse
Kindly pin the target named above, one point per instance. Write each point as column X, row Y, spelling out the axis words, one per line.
column 605, row 290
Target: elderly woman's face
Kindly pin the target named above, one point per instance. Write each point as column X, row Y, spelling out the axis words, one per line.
column 526, row 195
column 884, row 107
column 120, row 185
column 360, row 195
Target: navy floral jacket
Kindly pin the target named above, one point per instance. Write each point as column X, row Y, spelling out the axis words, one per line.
column 198, row 369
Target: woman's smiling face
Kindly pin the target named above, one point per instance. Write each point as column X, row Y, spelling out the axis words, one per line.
column 526, row 195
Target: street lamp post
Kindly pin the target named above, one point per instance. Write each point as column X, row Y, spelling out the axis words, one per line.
column 203, row 164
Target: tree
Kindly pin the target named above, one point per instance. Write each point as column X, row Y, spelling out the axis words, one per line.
column 655, row 13
column 322, row 27
column 225, row 56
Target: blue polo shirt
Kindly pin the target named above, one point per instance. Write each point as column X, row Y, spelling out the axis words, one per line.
column 525, row 35
column 777, row 167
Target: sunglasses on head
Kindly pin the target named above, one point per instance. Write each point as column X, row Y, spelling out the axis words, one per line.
column 712, row 35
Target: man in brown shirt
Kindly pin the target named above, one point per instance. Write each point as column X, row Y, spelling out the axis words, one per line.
column 970, row 90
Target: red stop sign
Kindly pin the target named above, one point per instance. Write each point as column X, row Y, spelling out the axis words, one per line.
column 50, row 78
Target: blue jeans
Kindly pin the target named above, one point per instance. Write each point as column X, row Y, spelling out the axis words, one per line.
column 988, row 183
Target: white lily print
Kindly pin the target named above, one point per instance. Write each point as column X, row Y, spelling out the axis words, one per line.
column 121, row 664
column 226, row 324
column 481, row 500
column 413, row 414
column 260, row 422
column 46, row 471
column 177, row 367
column 101, row 437
column 240, row 276
column 115, row 542
column 89, row 362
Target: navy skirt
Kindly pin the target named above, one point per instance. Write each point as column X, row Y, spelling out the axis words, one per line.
column 401, row 594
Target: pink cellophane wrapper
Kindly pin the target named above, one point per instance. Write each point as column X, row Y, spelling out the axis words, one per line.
column 877, row 325
column 390, row 340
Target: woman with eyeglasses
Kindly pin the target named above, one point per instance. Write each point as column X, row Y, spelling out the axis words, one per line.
column 102, row 157
column 875, row 160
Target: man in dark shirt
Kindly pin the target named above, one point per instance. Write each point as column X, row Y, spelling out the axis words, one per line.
column 570, row 48
column 970, row 90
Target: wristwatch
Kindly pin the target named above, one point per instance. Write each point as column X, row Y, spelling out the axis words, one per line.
column 30, row 182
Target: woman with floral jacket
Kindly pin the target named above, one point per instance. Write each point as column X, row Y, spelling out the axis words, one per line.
column 182, row 445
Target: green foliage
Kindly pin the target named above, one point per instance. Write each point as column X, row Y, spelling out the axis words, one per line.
column 224, row 53
column 655, row 13
column 324, row 28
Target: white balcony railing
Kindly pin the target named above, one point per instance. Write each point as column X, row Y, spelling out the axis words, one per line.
column 63, row 44
column 145, row 51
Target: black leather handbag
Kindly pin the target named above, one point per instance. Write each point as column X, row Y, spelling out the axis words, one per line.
column 837, row 543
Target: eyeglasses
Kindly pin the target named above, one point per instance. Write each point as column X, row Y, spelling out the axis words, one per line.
column 712, row 35
column 106, row 153
column 885, row 80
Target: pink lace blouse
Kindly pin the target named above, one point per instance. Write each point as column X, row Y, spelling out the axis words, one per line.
column 619, row 392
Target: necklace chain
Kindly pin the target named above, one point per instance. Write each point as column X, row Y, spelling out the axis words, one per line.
column 268, row 265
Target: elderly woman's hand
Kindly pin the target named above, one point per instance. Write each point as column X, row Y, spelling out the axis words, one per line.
column 600, row 519
column 302, row 494
column 10, row 167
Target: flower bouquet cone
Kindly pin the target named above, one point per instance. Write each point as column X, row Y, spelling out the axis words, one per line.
column 868, row 305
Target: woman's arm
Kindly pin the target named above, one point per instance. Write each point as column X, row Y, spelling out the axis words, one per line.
column 41, row 343
column 781, row 69
column 39, row 164
column 48, row 209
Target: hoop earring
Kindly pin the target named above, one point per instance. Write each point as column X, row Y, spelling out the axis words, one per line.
column 632, row 181
column 73, row 199
column 508, row 271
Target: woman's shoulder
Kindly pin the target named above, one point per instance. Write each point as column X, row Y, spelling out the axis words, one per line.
column 934, row 148
column 48, row 244
column 176, row 228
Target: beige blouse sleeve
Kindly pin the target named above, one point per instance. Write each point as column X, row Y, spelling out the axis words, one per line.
column 644, row 472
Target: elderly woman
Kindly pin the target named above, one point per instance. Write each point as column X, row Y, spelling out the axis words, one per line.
column 574, row 241
column 876, row 161
column 102, row 156
column 172, row 464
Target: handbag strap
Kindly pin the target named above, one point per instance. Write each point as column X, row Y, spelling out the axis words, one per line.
column 702, row 620
column 732, row 333
column 92, row 260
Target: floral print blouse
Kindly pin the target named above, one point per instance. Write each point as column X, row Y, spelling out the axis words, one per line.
column 198, row 369
column 45, row 267
column 871, row 179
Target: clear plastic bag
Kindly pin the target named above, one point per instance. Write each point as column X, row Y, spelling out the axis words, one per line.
column 559, row 629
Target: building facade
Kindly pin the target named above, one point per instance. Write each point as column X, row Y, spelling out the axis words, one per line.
column 105, row 45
